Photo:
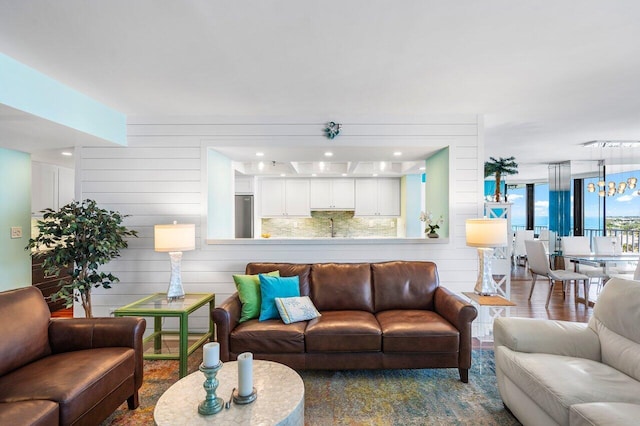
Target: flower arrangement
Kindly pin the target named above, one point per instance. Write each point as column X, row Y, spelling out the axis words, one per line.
column 432, row 225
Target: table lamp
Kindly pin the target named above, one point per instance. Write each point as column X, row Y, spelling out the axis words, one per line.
column 486, row 234
column 175, row 238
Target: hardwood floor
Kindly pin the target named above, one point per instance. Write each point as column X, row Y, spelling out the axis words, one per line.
column 559, row 309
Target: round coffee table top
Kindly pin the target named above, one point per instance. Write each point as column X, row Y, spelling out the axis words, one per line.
column 280, row 398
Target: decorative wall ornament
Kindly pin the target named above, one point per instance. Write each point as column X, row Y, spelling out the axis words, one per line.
column 333, row 129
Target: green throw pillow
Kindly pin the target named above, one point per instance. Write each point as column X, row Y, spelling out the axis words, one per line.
column 248, row 287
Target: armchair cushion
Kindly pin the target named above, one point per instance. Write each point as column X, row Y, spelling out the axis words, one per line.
column 615, row 318
column 27, row 339
column 556, row 382
column 547, row 336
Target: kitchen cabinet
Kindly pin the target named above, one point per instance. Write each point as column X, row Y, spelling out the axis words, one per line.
column 285, row 197
column 332, row 194
column 51, row 187
column 377, row 197
column 48, row 285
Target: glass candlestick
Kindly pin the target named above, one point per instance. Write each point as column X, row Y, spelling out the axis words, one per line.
column 212, row 404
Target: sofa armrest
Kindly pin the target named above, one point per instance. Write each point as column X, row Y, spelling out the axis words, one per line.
column 461, row 314
column 73, row 334
column 547, row 336
column 226, row 317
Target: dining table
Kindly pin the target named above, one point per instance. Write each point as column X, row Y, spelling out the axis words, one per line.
column 606, row 262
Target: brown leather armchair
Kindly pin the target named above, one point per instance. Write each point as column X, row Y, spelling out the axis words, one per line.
column 65, row 371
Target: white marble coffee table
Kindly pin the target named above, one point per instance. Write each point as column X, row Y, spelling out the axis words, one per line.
column 280, row 398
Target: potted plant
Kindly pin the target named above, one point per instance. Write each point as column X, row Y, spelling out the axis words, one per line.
column 432, row 225
column 499, row 168
column 79, row 238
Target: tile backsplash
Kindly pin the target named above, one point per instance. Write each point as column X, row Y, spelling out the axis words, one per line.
column 319, row 226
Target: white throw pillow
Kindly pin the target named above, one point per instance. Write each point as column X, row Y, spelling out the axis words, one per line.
column 294, row 309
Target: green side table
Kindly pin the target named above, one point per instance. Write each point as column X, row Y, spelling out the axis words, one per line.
column 158, row 307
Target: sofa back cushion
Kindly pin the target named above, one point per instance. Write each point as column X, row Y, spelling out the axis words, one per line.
column 24, row 320
column 302, row 270
column 615, row 319
column 342, row 286
column 404, row 285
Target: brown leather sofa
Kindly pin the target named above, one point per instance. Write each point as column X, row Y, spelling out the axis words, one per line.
column 374, row 315
column 64, row 371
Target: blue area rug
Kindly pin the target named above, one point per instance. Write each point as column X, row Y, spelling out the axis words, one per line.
column 406, row 397
column 363, row 397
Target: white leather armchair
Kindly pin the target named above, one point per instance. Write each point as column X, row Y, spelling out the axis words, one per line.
column 564, row 373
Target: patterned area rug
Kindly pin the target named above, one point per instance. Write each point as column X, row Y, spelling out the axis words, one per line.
column 364, row 397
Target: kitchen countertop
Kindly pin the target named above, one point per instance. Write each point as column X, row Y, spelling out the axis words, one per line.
column 337, row 240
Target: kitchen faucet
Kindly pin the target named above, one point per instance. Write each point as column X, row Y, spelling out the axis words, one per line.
column 333, row 232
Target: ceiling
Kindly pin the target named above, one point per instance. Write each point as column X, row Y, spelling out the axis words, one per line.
column 547, row 75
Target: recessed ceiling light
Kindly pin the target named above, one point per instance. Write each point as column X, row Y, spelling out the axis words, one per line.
column 375, row 174
column 259, row 154
column 283, row 174
column 314, row 174
column 328, row 154
column 397, row 154
column 67, row 153
column 344, row 174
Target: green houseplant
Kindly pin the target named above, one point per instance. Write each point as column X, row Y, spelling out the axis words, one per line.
column 498, row 168
column 79, row 238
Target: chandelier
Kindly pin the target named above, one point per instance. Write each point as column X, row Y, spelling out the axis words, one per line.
column 612, row 188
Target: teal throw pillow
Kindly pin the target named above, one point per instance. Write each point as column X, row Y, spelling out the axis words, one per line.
column 248, row 287
column 272, row 287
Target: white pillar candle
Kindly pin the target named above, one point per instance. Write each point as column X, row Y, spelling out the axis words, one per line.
column 211, row 354
column 245, row 374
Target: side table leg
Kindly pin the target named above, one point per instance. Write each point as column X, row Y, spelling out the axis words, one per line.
column 157, row 331
column 184, row 343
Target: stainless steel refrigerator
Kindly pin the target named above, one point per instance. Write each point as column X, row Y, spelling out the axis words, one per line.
column 244, row 216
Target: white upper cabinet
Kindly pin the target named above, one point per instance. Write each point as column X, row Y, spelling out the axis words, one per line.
column 332, row 194
column 377, row 197
column 51, row 187
column 285, row 197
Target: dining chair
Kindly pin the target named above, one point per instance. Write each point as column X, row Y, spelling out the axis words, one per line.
column 580, row 246
column 611, row 246
column 539, row 265
column 519, row 251
column 629, row 275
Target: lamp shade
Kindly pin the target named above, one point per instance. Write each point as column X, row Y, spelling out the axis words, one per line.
column 175, row 237
column 486, row 232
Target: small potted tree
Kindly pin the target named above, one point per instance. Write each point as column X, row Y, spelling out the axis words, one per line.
column 79, row 238
column 499, row 168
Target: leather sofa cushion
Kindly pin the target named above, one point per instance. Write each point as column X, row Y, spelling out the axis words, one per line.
column 27, row 339
column 270, row 336
column 404, row 285
column 302, row 270
column 343, row 331
column 75, row 380
column 32, row 413
column 342, row 286
column 417, row 331
column 556, row 382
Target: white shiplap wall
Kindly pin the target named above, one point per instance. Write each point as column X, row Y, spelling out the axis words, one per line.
column 160, row 177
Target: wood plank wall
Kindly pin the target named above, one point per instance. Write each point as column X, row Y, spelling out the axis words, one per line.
column 161, row 176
